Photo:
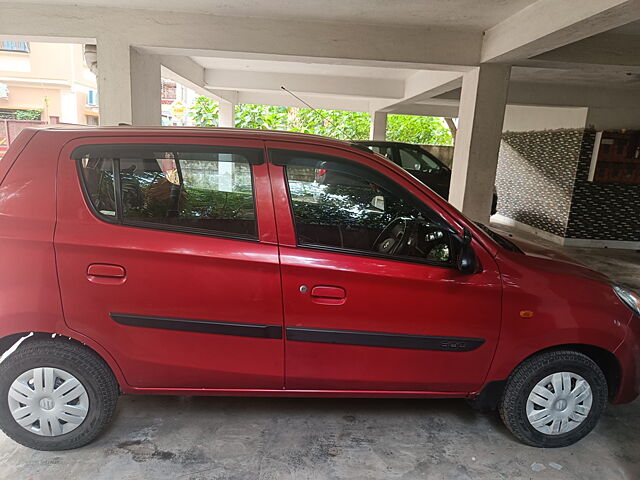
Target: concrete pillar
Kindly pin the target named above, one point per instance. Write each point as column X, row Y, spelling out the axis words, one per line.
column 129, row 88
column 114, row 80
column 226, row 114
column 475, row 158
column 378, row 126
column 146, row 89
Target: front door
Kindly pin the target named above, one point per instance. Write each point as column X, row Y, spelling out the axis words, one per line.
column 167, row 257
column 372, row 299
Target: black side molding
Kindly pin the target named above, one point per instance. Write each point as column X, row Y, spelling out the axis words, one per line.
column 199, row 326
column 379, row 339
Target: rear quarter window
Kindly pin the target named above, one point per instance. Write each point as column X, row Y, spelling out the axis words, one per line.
column 199, row 189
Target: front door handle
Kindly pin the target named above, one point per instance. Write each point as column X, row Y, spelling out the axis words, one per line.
column 328, row 295
column 106, row 273
column 326, row 291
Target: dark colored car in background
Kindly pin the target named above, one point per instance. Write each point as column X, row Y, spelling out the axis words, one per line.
column 419, row 163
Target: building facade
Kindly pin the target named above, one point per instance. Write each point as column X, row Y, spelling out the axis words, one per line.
column 49, row 82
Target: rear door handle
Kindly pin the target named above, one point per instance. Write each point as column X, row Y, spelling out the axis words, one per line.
column 328, row 295
column 106, row 273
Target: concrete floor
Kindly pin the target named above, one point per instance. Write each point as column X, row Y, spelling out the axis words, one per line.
column 195, row 438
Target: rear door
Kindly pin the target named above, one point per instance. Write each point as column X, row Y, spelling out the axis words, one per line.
column 360, row 315
column 167, row 257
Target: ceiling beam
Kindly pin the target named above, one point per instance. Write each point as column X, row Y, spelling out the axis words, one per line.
column 190, row 74
column 428, row 110
column 303, row 83
column 604, row 50
column 283, row 99
column 562, row 95
column 363, row 44
column 419, row 87
column 549, row 24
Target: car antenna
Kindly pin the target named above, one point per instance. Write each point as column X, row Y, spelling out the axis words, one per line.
column 324, row 117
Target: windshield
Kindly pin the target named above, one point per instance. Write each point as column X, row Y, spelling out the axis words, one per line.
column 499, row 239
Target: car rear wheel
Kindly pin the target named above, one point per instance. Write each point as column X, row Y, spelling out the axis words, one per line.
column 55, row 395
column 553, row 399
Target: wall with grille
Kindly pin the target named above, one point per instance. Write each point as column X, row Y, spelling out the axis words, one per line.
column 602, row 211
column 536, row 175
column 542, row 181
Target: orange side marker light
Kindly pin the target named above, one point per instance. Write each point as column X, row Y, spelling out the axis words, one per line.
column 526, row 314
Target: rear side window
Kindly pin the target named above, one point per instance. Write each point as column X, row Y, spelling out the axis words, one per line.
column 417, row 160
column 185, row 188
column 383, row 150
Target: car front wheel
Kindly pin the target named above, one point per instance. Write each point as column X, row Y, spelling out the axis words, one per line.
column 553, row 399
column 55, row 395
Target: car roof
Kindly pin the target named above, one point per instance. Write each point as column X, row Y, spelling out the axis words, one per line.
column 247, row 133
column 384, row 142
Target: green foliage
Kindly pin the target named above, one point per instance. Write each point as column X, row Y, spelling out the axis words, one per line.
column 262, row 117
column 330, row 123
column 204, row 112
column 28, row 114
column 416, row 129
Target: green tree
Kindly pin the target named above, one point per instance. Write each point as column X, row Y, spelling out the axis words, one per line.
column 416, row 129
column 330, row 123
column 262, row 117
column 204, row 112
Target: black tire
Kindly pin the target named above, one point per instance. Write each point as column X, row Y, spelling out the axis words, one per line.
column 512, row 406
column 92, row 372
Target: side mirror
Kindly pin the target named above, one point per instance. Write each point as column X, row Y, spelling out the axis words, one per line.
column 467, row 260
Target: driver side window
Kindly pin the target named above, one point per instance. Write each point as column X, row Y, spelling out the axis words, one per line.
column 341, row 205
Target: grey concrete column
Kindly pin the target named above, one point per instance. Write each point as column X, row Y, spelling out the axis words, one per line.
column 146, row 89
column 114, row 80
column 129, row 84
column 475, row 159
column 378, row 126
column 226, row 114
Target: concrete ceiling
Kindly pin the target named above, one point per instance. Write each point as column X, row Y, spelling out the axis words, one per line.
column 302, row 67
column 403, row 56
column 632, row 28
column 461, row 14
column 601, row 76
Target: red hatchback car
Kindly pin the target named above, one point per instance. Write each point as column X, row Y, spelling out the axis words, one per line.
column 210, row 262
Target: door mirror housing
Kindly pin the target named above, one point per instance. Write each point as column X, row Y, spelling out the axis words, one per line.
column 467, row 261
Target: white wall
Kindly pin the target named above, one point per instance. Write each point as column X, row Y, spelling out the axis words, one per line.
column 614, row 118
column 521, row 118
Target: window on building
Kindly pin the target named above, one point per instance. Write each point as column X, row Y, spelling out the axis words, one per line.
column 616, row 158
column 186, row 189
column 341, row 205
column 92, row 98
column 14, row 46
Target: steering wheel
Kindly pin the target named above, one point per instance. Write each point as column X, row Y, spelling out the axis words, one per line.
column 393, row 238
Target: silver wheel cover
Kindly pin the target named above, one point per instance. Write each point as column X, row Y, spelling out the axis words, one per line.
column 559, row 403
column 48, row 401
